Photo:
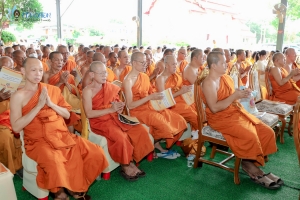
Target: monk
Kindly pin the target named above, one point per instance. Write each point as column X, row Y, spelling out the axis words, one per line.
column 46, row 52
column 113, row 60
column 160, row 64
column 39, row 56
column 18, row 57
column 181, row 61
column 229, row 64
column 124, row 68
column 89, row 60
column 283, row 83
column 151, row 71
column 248, row 137
column 164, row 124
column 193, row 69
column 78, row 56
column 60, row 78
column 10, row 144
column 125, row 142
column 242, row 66
column 64, row 160
column 106, row 52
column 23, row 48
column 8, row 51
column 291, row 56
column 68, row 65
column 170, row 79
column 82, row 61
column 16, row 47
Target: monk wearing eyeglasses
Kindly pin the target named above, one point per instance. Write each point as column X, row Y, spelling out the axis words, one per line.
column 89, row 60
column 124, row 68
column 164, row 124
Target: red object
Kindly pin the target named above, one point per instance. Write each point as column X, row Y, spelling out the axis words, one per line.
column 137, row 164
column 151, row 6
column 178, row 143
column 106, row 176
column 45, row 198
column 150, row 156
column 280, row 31
column 24, row 189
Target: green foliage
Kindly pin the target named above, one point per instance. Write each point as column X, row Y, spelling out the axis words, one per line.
column 181, row 44
column 293, row 9
column 8, row 37
column 70, row 41
column 76, row 34
column 94, row 32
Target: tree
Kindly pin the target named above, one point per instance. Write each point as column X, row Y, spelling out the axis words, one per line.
column 7, row 37
column 76, row 34
column 94, row 32
column 24, row 13
column 293, row 8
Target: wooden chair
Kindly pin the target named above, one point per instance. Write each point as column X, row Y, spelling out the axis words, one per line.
column 206, row 133
column 281, row 109
column 296, row 128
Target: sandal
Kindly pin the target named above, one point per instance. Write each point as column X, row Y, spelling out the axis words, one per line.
column 266, row 182
column 141, row 174
column 168, row 155
column 274, row 178
column 129, row 178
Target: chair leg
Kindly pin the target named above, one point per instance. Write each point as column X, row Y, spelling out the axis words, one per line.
column 150, row 156
column 198, row 153
column 213, row 151
column 45, row 198
column 236, row 170
column 106, row 176
column 290, row 126
column 283, row 121
column 178, row 143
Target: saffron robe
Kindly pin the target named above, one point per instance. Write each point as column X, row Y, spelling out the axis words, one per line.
column 10, row 146
column 74, row 119
column 45, row 66
column 295, row 66
column 124, row 73
column 246, row 135
column 63, row 159
column 125, row 142
column 69, row 66
column 110, row 75
column 181, row 66
column 181, row 107
column 164, row 124
column 288, row 92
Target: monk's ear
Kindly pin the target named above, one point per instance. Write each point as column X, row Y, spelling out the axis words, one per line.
column 91, row 74
column 23, row 70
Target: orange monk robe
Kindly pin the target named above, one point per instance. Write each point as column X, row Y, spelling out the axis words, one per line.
column 181, row 107
column 229, row 66
column 294, row 66
column 71, row 58
column 244, row 65
column 246, row 135
column 74, row 118
column 150, row 69
column 164, row 124
column 110, row 75
column 288, row 92
column 45, row 59
column 63, row 159
column 108, row 63
column 69, row 66
column 181, row 66
column 125, row 142
column 124, row 73
column 10, row 146
column 45, row 67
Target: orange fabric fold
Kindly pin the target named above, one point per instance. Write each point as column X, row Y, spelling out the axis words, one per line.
column 182, row 65
column 295, row 66
column 45, row 66
column 63, row 159
column 247, row 136
column 187, row 112
column 164, row 124
column 288, row 92
column 150, row 69
column 124, row 73
column 125, row 142
column 110, row 75
column 69, row 66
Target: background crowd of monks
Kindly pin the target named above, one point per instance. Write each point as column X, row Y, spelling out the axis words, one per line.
column 141, row 76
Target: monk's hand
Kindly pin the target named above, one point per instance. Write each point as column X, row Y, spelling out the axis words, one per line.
column 156, row 72
column 242, row 93
column 157, row 96
column 48, row 101
column 64, row 77
column 186, row 88
column 74, row 73
column 4, row 95
column 295, row 72
column 42, row 98
column 117, row 106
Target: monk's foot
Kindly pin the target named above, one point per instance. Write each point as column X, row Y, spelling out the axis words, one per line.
column 155, row 155
column 266, row 158
column 159, row 147
column 138, row 172
column 129, row 170
column 61, row 195
column 251, row 169
column 79, row 195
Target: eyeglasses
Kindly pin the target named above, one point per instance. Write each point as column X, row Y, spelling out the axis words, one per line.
column 101, row 73
column 143, row 63
column 183, row 53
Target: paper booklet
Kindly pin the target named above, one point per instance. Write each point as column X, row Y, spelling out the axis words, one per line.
column 167, row 102
column 188, row 97
column 78, row 76
column 10, row 79
column 128, row 119
column 118, row 83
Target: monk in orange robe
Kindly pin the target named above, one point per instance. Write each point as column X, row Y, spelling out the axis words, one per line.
column 113, row 61
column 151, row 71
column 283, row 86
column 171, row 79
column 10, row 144
column 89, row 60
column 46, row 52
column 160, row 64
column 291, row 56
column 242, row 66
column 181, row 62
column 248, row 137
column 39, row 56
column 106, row 52
column 82, row 60
column 57, row 77
column 125, row 142
column 193, row 69
column 18, row 57
column 68, row 65
column 64, row 160
column 124, row 68
column 164, row 124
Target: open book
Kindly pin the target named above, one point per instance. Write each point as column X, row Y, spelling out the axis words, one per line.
column 10, row 79
column 118, row 83
column 167, row 102
column 188, row 97
column 78, row 77
column 128, row 120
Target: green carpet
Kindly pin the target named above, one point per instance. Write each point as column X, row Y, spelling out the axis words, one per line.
column 172, row 179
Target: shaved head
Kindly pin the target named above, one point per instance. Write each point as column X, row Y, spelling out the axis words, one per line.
column 90, row 52
column 135, row 50
column 196, row 53
column 289, row 51
column 31, row 61
column 136, row 56
column 218, row 49
column 148, row 51
column 96, row 65
column 214, row 57
column 168, row 52
column 277, row 56
column 168, row 58
column 99, row 57
column 6, row 61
